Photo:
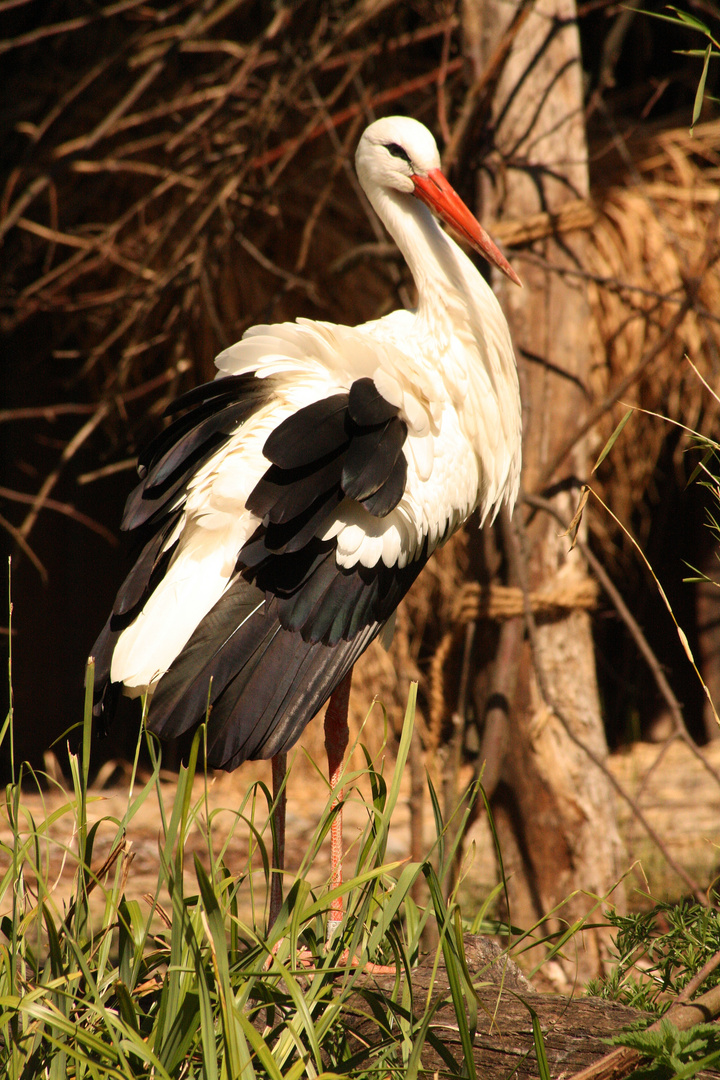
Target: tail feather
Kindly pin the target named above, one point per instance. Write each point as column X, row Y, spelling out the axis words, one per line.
column 263, row 683
column 248, row 716
column 223, row 643
column 244, row 726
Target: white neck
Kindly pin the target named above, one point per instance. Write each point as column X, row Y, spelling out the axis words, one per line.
column 458, row 316
column 429, row 253
column 453, row 296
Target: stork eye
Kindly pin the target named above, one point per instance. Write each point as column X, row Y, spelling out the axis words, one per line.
column 398, row 152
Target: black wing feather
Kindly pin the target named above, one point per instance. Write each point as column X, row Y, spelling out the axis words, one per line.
column 170, row 474
column 223, row 644
column 366, row 405
column 225, row 386
column 198, row 404
column 318, row 671
column 284, row 494
column 218, row 410
column 371, row 458
column 309, row 434
column 237, row 729
column 292, row 536
column 389, row 495
column 263, row 682
column 157, row 514
column 203, row 433
column 321, row 455
column 296, row 607
column 147, row 571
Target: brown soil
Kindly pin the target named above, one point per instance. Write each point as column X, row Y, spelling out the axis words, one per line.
column 221, row 803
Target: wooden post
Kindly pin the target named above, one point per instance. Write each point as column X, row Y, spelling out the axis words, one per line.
column 553, row 806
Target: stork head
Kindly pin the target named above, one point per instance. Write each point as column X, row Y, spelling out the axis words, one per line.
column 399, row 153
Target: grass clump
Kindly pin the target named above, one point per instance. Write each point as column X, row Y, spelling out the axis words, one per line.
column 182, row 984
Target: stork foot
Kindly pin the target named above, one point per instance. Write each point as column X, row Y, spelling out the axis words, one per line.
column 303, row 957
column 369, row 968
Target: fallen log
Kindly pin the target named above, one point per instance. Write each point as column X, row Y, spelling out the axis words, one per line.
column 574, row 1030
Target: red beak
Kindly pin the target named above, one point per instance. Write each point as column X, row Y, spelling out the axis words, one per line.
column 435, row 191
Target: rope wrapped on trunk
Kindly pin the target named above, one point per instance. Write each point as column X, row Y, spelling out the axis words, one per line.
column 498, row 602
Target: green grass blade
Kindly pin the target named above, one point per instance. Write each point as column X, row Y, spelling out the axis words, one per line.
column 215, row 920
column 700, row 92
column 692, row 21
column 420, row 1037
column 128, row 1011
column 261, row 1049
column 454, row 970
column 498, row 853
column 181, row 1032
column 612, row 440
column 539, row 1044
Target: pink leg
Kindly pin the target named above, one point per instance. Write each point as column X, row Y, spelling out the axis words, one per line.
column 336, row 741
column 279, row 768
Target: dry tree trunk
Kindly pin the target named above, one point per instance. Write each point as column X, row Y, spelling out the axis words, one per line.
column 553, row 805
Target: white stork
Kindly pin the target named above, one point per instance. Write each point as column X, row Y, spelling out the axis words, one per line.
column 292, row 502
